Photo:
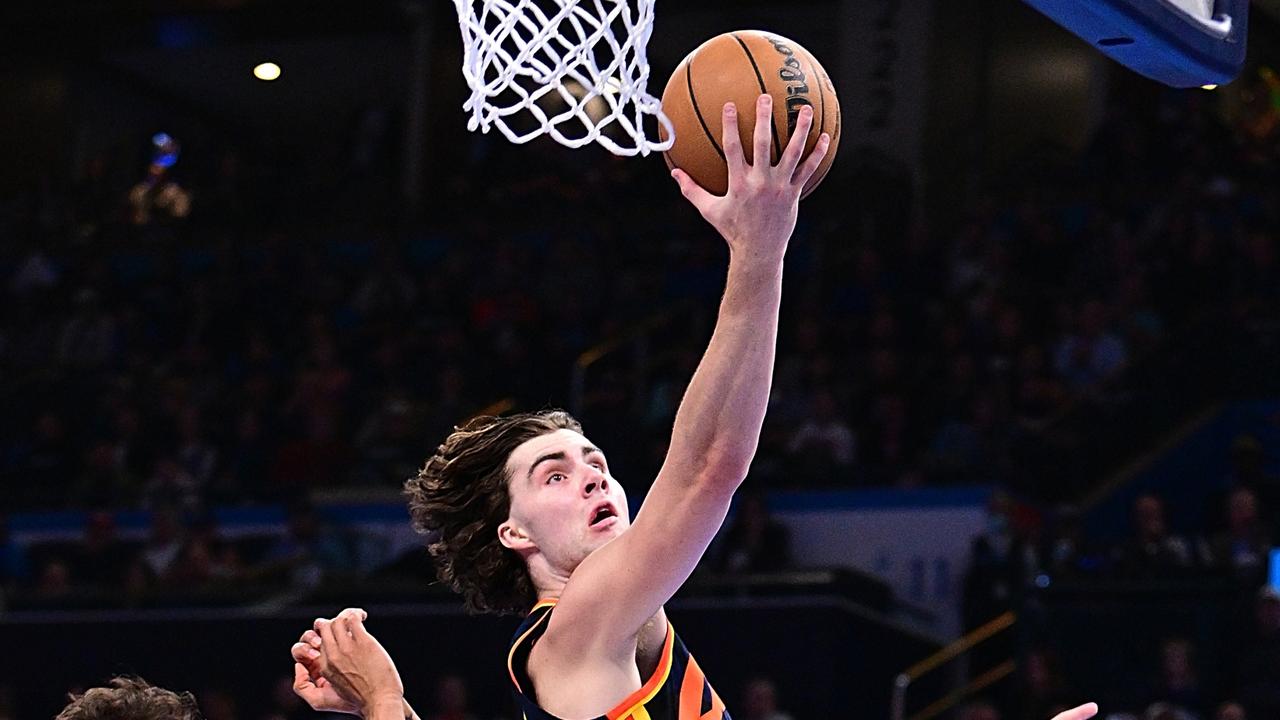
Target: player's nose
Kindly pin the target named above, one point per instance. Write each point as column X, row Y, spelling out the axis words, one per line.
column 597, row 482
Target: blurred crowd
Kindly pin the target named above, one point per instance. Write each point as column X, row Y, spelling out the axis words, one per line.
column 256, row 347
column 1221, row 568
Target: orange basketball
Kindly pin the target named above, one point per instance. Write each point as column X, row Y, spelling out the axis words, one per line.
column 739, row 67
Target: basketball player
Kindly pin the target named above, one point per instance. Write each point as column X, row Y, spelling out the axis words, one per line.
column 524, row 514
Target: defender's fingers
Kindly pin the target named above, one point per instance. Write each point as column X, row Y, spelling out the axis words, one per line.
column 795, row 146
column 761, row 156
column 810, row 166
column 354, row 613
column 342, row 631
column 732, row 141
column 311, row 638
column 1084, row 712
column 358, row 630
column 303, row 652
column 301, row 678
column 328, row 635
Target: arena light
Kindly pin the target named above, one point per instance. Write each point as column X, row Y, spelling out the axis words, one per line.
column 267, row 71
column 1208, row 87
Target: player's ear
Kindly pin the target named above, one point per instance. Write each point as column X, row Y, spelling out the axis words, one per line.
column 513, row 536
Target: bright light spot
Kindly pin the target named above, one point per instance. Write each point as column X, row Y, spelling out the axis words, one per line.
column 267, row 71
column 1208, row 87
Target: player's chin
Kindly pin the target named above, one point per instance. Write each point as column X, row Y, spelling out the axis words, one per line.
column 598, row 537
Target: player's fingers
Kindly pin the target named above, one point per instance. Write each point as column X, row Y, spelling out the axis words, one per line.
column 810, row 165
column 304, row 653
column 761, row 157
column 353, row 614
column 1084, row 712
column 732, row 142
column 304, row 688
column 692, row 191
column 327, row 636
column 790, row 159
column 311, row 638
column 301, row 678
column 342, row 631
column 358, row 630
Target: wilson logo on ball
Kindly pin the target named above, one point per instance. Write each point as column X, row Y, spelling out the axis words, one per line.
column 792, row 73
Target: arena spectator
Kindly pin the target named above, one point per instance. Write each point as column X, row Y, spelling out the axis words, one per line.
column 978, row 710
column 164, row 545
column 103, row 558
column 1044, row 691
column 1230, row 710
column 171, row 486
column 1152, row 551
column 1177, row 682
column 755, row 542
column 1260, row 667
column 452, row 700
column 1167, row 711
column 284, row 704
column 1089, row 354
column 53, row 582
column 218, row 704
column 1248, row 469
column 999, row 562
column 823, row 447
column 760, row 701
column 196, row 455
column 1242, row 548
column 309, row 554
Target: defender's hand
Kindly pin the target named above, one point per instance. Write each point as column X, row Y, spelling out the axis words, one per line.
column 309, row 682
column 356, row 664
column 758, row 214
column 319, row 694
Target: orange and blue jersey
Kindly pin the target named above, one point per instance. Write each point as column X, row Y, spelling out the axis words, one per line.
column 677, row 689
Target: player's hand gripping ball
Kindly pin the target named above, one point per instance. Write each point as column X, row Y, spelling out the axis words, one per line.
column 738, row 67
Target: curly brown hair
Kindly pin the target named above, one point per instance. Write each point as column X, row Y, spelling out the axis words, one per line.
column 459, row 499
column 130, row 698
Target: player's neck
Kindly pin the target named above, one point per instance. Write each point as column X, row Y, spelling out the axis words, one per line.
column 548, row 581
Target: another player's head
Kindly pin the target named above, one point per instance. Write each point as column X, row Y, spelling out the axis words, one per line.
column 132, row 698
column 503, row 497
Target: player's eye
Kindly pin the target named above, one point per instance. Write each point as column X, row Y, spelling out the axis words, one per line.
column 554, row 477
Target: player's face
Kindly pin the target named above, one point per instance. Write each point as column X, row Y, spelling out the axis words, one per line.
column 563, row 498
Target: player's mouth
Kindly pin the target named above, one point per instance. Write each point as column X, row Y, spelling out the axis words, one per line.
column 604, row 515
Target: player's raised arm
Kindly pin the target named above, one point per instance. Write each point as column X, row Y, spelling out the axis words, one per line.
column 717, row 428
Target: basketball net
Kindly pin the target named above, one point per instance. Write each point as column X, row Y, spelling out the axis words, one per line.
column 558, row 68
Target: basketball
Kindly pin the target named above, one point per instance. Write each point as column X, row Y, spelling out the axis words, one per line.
column 739, row 67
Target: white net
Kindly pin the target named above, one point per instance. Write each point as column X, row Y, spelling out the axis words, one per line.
column 572, row 69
